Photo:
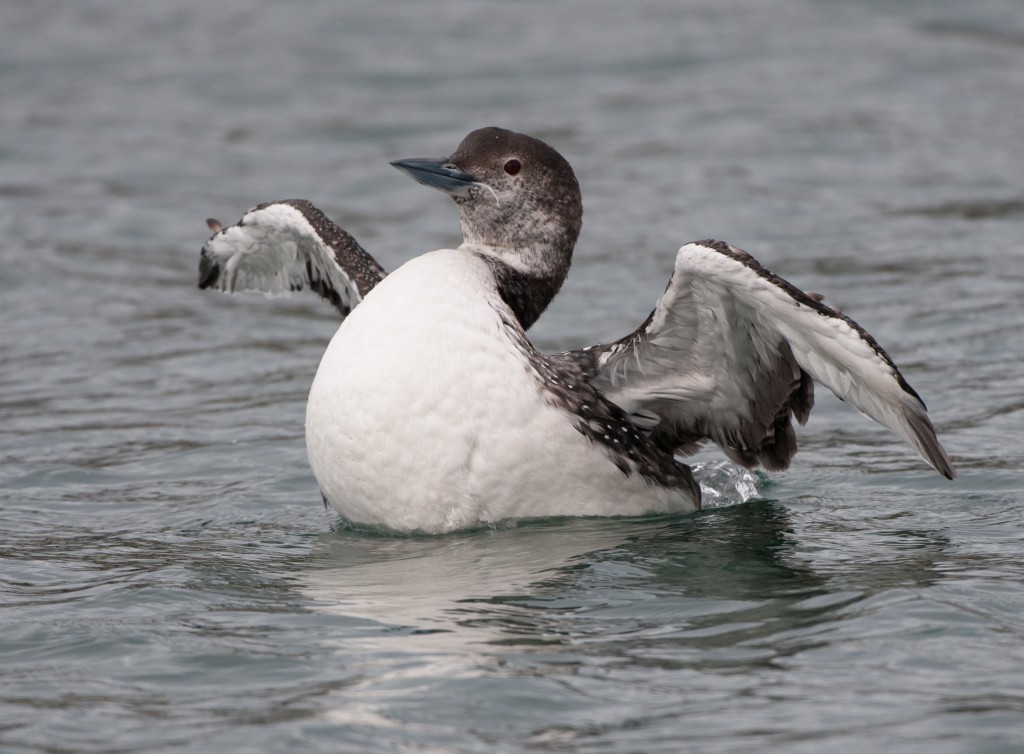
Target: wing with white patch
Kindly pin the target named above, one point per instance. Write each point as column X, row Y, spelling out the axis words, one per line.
column 286, row 246
column 728, row 355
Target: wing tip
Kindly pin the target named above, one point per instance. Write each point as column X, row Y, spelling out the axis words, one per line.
column 925, row 441
column 942, row 464
column 209, row 270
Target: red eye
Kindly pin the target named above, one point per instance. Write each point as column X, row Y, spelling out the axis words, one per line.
column 513, row 166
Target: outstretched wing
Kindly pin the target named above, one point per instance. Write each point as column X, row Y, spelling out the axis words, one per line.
column 286, row 246
column 728, row 355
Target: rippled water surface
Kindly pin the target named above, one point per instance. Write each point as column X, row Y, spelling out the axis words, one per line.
column 169, row 579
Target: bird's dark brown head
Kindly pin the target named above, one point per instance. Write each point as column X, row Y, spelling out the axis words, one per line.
column 513, row 191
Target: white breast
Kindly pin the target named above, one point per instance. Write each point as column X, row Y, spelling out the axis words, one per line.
column 426, row 414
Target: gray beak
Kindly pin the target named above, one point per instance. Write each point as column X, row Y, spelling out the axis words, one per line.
column 438, row 174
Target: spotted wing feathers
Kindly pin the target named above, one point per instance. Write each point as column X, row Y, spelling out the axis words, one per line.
column 729, row 353
column 286, row 246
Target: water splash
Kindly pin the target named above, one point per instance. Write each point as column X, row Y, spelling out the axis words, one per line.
column 723, row 483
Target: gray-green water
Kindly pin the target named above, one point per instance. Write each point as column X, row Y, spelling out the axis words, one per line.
column 169, row 578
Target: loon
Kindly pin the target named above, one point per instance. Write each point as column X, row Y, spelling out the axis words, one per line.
column 432, row 411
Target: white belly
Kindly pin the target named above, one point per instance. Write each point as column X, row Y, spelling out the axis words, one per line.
column 424, row 415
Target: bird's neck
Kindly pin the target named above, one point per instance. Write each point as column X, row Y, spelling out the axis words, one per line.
column 527, row 279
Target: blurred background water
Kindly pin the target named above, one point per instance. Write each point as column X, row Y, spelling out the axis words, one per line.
column 169, row 580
